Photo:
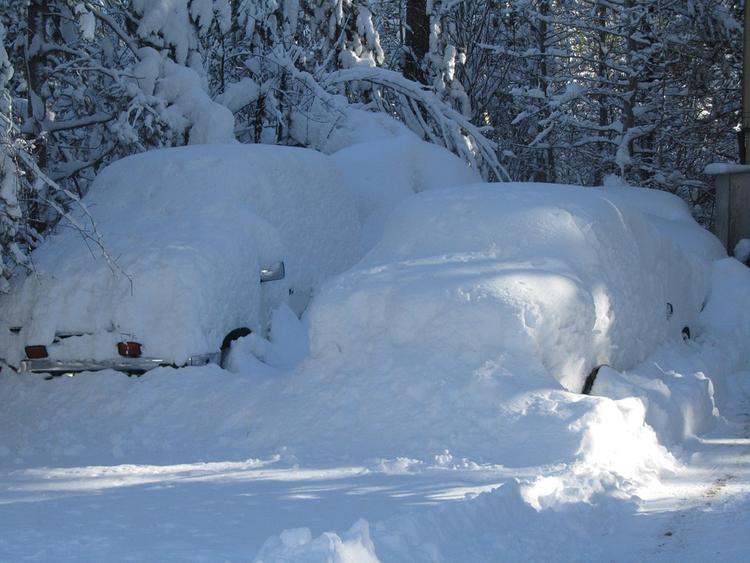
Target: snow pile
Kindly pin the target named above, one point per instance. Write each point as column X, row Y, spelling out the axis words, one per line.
column 383, row 173
column 457, row 330
column 108, row 418
column 286, row 346
column 678, row 382
column 187, row 230
column 742, row 251
column 354, row 546
column 618, row 452
column 726, row 315
column 493, row 525
column 679, row 405
column 576, row 501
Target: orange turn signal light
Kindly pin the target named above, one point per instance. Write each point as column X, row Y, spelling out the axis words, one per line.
column 36, row 352
column 129, row 349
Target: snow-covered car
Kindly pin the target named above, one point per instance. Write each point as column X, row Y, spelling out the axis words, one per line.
column 521, row 278
column 199, row 244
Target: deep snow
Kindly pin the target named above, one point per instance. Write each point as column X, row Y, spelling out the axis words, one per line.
column 103, row 501
column 400, row 421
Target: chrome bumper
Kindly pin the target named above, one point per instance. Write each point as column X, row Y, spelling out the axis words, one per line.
column 47, row 365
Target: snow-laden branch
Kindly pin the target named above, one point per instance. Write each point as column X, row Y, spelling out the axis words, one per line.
column 100, row 117
column 90, row 233
column 457, row 133
column 112, row 24
column 26, row 162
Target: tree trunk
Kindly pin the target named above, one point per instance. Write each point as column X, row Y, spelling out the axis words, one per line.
column 549, row 172
column 602, row 78
column 36, row 106
column 631, row 94
column 417, row 39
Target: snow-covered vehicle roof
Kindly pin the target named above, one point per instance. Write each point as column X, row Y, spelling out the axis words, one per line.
column 188, row 230
column 566, row 278
column 382, row 173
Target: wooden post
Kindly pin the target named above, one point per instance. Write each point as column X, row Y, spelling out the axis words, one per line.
column 732, row 209
column 745, row 141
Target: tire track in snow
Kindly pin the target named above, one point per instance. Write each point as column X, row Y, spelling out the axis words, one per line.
column 719, row 503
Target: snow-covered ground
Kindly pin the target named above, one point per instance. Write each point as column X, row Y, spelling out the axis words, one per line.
column 103, row 467
column 427, row 407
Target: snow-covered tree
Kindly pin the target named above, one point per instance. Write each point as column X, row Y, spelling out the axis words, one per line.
column 582, row 91
column 291, row 71
column 13, row 227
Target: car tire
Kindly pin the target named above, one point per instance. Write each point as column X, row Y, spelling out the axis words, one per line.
column 588, row 385
column 226, row 344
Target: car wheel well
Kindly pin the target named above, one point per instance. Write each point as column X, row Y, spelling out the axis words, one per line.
column 236, row 334
column 226, row 344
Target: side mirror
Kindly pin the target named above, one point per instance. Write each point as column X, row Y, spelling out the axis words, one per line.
column 272, row 272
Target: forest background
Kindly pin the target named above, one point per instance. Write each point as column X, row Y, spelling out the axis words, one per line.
column 636, row 92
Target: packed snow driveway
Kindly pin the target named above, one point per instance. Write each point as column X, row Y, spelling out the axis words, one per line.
column 114, row 494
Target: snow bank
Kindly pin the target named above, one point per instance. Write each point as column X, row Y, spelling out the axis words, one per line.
column 679, row 404
column 491, row 526
column 383, row 173
column 574, row 504
column 726, row 315
column 677, row 383
column 109, row 418
column 354, row 546
column 618, row 453
column 189, row 229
